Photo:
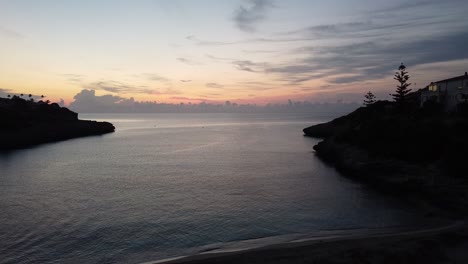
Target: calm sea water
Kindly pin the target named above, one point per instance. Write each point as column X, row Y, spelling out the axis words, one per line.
column 173, row 184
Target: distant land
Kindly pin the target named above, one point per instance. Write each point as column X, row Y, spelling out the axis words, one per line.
column 88, row 102
column 25, row 123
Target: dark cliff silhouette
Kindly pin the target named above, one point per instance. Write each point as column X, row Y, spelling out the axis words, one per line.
column 24, row 123
column 414, row 149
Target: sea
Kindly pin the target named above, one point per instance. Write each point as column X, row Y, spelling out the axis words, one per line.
column 168, row 185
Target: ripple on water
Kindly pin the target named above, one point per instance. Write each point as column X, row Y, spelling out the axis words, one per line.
column 148, row 192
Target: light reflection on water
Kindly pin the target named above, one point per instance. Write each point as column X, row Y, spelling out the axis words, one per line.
column 169, row 184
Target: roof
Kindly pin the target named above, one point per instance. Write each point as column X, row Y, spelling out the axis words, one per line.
column 462, row 77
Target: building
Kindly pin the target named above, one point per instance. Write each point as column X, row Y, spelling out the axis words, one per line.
column 448, row 92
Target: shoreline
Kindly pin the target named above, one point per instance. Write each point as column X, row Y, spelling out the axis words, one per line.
column 319, row 247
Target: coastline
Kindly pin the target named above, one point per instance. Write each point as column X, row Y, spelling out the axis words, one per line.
column 343, row 247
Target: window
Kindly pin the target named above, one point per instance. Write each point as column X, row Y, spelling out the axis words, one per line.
column 433, row 87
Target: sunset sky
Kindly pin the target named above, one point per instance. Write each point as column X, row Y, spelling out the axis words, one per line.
column 253, row 51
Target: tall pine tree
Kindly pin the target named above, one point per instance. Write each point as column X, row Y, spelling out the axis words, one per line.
column 402, row 88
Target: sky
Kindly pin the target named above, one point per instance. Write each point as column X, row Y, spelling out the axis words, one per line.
column 244, row 51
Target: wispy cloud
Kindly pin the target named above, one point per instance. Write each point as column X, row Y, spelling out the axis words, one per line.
column 166, row 91
column 247, row 16
column 188, row 61
column 418, row 4
column 200, row 42
column 214, row 85
column 119, row 88
column 370, row 48
column 10, row 33
column 275, row 39
column 155, row 77
column 73, row 78
column 255, row 85
column 219, row 59
column 370, row 60
column 185, row 98
column 249, row 66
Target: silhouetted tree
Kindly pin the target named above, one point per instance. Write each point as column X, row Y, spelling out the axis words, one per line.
column 369, row 98
column 402, row 88
column 8, row 96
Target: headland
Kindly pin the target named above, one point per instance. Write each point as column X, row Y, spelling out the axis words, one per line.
column 25, row 123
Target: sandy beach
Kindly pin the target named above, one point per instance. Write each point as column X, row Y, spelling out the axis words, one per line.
column 443, row 243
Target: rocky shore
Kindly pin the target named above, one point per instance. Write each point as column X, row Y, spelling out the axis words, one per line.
column 27, row 123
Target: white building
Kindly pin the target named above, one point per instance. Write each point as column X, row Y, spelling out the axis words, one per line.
column 449, row 92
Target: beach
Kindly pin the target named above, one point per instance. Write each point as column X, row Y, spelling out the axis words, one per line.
column 440, row 244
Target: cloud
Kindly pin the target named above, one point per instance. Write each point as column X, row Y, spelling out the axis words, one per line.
column 219, row 59
column 249, row 66
column 373, row 26
column 250, row 40
column 183, row 98
column 87, row 101
column 255, row 85
column 370, row 60
column 214, row 85
column 370, row 49
column 118, row 87
column 167, row 91
column 248, row 16
column 61, row 102
column 188, row 61
column 411, row 5
column 74, row 78
column 10, row 33
column 121, row 88
column 209, row 42
column 185, row 81
column 156, row 77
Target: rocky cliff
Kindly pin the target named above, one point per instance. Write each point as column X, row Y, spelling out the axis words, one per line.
column 26, row 123
column 400, row 149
